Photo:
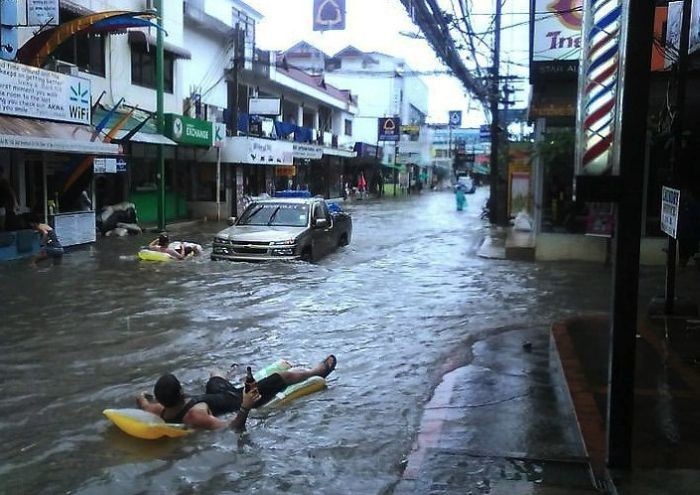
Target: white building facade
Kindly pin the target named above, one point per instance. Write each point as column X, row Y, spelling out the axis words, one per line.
column 209, row 75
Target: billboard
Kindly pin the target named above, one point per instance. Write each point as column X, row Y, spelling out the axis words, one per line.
column 388, row 129
column 329, row 15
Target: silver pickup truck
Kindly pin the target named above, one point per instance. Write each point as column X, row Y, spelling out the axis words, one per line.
column 284, row 229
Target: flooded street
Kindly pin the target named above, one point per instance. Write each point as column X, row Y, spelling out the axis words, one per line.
column 408, row 293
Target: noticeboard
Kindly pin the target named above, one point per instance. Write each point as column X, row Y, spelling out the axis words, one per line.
column 670, row 205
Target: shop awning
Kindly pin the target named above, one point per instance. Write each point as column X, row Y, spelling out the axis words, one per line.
column 144, row 137
column 147, row 134
column 45, row 135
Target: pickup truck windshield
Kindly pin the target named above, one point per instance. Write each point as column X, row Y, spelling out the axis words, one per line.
column 279, row 214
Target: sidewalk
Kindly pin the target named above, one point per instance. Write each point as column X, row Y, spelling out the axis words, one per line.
column 499, row 424
column 517, row 419
column 666, row 437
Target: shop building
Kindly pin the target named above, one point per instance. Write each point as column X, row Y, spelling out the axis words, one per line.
column 45, row 140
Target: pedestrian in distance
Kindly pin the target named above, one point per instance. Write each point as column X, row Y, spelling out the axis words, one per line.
column 460, row 197
column 222, row 397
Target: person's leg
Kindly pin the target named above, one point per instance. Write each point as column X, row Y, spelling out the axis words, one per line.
column 324, row 368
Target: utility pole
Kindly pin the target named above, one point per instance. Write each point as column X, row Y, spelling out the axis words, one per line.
column 497, row 213
column 676, row 158
column 634, row 76
column 160, row 87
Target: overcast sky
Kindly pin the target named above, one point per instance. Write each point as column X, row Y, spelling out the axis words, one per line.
column 374, row 25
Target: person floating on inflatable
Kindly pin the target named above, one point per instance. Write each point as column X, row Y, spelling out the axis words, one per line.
column 460, row 197
column 162, row 245
column 222, row 397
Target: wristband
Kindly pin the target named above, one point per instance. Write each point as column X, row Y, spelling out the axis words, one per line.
column 244, row 409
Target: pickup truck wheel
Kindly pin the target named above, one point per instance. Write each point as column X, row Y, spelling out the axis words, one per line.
column 307, row 254
column 343, row 240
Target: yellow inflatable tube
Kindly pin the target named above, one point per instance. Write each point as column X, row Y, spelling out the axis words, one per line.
column 146, row 425
column 149, row 426
column 150, row 255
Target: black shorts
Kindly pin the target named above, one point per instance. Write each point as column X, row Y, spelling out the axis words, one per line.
column 227, row 397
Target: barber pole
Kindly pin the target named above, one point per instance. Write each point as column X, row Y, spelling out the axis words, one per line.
column 598, row 86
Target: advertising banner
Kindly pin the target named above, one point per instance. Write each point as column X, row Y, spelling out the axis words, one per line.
column 32, row 92
column 557, row 30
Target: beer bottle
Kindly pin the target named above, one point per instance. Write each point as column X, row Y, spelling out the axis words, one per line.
column 249, row 380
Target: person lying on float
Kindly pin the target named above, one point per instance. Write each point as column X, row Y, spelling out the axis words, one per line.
column 222, row 397
column 162, row 244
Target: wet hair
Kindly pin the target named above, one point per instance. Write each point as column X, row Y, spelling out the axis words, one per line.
column 168, row 390
column 163, row 240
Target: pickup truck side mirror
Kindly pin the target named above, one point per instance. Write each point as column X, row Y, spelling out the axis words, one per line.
column 321, row 223
column 231, row 220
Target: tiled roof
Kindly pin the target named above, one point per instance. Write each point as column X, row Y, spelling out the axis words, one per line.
column 316, row 82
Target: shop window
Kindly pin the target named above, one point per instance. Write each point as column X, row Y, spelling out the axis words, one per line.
column 348, row 127
column 87, row 51
column 205, row 182
column 143, row 67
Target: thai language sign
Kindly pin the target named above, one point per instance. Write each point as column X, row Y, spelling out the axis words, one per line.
column 32, row 92
column 670, row 204
column 308, row 151
column 556, row 30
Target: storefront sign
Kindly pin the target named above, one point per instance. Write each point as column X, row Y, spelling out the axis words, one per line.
column 29, row 13
column 388, row 129
column 189, row 131
column 285, row 171
column 365, row 150
column 58, row 145
column 411, row 129
column 269, row 107
column 42, row 12
column 600, row 220
column 32, row 92
column 556, row 30
column 670, row 204
column 307, row 151
column 256, row 151
column 104, row 165
column 219, row 134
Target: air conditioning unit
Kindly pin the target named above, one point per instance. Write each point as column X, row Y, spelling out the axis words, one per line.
column 65, row 68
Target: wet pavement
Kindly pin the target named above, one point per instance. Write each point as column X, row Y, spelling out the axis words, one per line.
column 406, row 303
